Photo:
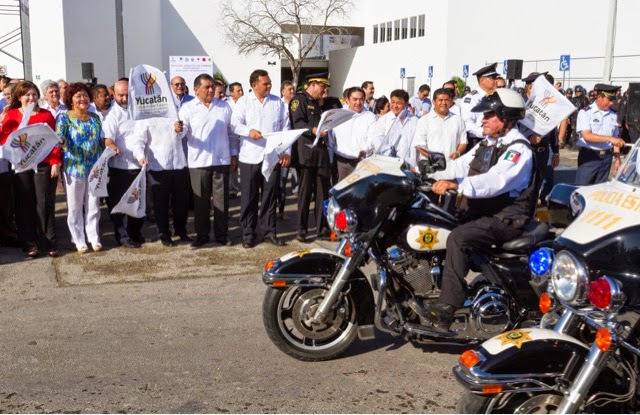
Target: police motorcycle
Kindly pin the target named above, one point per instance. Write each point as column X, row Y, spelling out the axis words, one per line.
column 318, row 301
column 585, row 357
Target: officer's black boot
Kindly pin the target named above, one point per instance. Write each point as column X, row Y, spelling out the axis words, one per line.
column 438, row 314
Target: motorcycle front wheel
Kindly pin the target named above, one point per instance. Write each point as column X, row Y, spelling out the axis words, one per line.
column 512, row 403
column 287, row 316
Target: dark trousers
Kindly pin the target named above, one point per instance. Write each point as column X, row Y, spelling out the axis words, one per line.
column 312, row 180
column 35, row 199
column 282, row 188
column 479, row 233
column 254, row 188
column 593, row 168
column 119, row 182
column 345, row 166
column 8, row 234
column 170, row 189
column 545, row 172
column 205, row 182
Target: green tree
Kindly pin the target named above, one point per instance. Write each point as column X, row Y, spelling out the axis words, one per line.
column 460, row 82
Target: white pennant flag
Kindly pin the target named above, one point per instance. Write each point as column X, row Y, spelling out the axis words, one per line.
column 99, row 173
column 149, row 94
column 134, row 200
column 330, row 120
column 28, row 146
column 546, row 107
column 277, row 144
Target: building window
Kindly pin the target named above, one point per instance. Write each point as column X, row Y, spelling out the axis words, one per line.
column 389, row 31
column 396, row 30
column 383, row 33
column 421, row 25
column 375, row 33
column 412, row 26
column 405, row 28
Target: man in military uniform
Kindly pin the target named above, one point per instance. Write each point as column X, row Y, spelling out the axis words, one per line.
column 487, row 78
column 313, row 163
column 598, row 138
column 497, row 180
column 580, row 101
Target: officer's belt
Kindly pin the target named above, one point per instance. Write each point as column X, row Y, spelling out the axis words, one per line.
column 540, row 149
column 598, row 152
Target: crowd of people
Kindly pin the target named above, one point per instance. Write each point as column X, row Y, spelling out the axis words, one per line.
column 215, row 151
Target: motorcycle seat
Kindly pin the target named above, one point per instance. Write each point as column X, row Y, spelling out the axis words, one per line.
column 534, row 232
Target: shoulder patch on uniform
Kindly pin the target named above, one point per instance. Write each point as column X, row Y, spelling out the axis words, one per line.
column 467, row 100
column 294, row 105
column 512, row 156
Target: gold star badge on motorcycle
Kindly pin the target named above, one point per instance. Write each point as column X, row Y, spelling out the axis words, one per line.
column 428, row 238
column 515, row 337
column 303, row 252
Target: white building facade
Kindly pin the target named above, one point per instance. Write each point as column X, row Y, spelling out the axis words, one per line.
column 417, row 34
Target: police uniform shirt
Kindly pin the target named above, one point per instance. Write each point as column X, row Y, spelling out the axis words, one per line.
column 351, row 137
column 472, row 120
column 210, row 139
column 391, row 131
column 304, row 112
column 598, row 122
column 510, row 174
column 120, row 128
column 420, row 105
column 164, row 148
column 268, row 116
column 440, row 135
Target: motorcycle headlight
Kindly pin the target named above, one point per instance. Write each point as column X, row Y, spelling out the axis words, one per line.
column 331, row 209
column 569, row 278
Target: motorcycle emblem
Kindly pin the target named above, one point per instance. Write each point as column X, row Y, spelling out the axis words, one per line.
column 428, row 238
column 303, row 252
column 515, row 337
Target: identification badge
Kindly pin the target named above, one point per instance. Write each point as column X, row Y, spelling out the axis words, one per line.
column 294, row 105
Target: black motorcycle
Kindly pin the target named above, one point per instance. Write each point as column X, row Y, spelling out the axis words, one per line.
column 585, row 357
column 318, row 301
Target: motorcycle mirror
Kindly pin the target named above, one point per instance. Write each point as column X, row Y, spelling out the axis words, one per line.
column 433, row 163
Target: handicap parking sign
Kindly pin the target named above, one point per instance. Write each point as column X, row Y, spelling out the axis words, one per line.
column 465, row 71
column 430, row 71
column 565, row 62
column 505, row 67
column 402, row 73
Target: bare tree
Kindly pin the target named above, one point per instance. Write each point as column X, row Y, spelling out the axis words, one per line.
column 276, row 27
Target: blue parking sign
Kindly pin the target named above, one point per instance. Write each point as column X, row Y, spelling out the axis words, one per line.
column 465, row 71
column 402, row 73
column 565, row 62
column 431, row 71
column 505, row 67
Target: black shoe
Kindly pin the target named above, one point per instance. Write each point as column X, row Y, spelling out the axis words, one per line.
column 248, row 245
column 199, row 242
column 167, row 241
column 438, row 314
column 274, row 241
column 301, row 238
column 185, row 238
column 225, row 242
column 129, row 243
column 139, row 239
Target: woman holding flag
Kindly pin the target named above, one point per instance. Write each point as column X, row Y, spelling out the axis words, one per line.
column 35, row 192
column 81, row 133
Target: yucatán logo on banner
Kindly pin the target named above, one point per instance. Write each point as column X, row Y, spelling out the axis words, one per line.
column 98, row 176
column 28, row 146
column 149, row 94
column 133, row 202
column 546, row 107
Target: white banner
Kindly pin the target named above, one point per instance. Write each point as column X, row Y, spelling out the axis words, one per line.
column 189, row 67
column 134, row 200
column 330, row 120
column 277, row 145
column 99, row 174
column 546, row 107
column 28, row 146
column 150, row 95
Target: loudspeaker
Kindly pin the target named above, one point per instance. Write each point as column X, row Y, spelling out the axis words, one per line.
column 514, row 69
column 87, row 70
column 633, row 104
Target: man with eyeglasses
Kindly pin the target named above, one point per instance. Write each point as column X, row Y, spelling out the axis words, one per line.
column 598, row 140
column 178, row 86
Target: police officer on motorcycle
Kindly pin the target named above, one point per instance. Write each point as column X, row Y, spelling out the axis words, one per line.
column 497, row 178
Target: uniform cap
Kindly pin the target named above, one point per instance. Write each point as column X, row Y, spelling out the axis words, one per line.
column 533, row 76
column 608, row 91
column 468, row 89
column 580, row 88
column 322, row 78
column 569, row 91
column 488, row 71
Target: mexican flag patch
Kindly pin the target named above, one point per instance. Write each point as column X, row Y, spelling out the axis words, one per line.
column 512, row 156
